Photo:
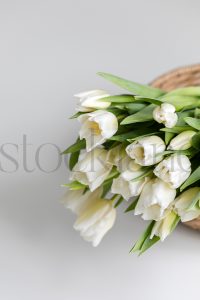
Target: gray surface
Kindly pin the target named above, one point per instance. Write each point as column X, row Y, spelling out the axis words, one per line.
column 49, row 51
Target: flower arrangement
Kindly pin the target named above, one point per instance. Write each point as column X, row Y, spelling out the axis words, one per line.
column 140, row 147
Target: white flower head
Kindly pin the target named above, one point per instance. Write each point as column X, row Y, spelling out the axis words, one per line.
column 96, row 216
column 118, row 157
column 174, row 170
column 78, row 201
column 97, row 127
column 91, row 100
column 155, row 200
column 146, row 151
column 165, row 226
column 127, row 186
column 182, row 141
column 165, row 114
column 183, row 202
column 92, row 168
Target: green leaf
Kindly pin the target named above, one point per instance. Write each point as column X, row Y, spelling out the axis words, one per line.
column 193, row 122
column 135, row 88
column 188, row 152
column 186, row 91
column 114, row 110
column 131, row 135
column 196, row 141
column 194, row 177
column 108, row 182
column 144, row 135
column 117, row 106
column 119, row 99
column 182, row 115
column 176, row 129
column 144, row 115
column 180, row 102
column 132, row 205
column 194, row 201
column 75, row 185
column 76, row 115
column 73, row 159
column 168, row 137
column 175, row 223
column 197, row 113
column 113, row 174
column 106, row 187
column 123, row 137
column 147, row 172
column 120, row 200
column 149, row 100
column 138, row 245
column 149, row 243
column 111, row 144
column 134, row 107
column 80, row 144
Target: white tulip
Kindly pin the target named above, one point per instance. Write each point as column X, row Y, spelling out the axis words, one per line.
column 78, row 201
column 155, row 200
column 182, row 141
column 183, row 202
column 174, row 170
column 165, row 114
column 146, row 150
column 126, row 186
column 96, row 216
column 118, row 157
column 97, row 127
column 92, row 168
column 91, row 100
column 165, row 226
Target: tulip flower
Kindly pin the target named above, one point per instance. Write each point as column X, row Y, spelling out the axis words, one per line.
column 118, row 157
column 165, row 226
column 155, row 200
column 92, row 168
column 146, row 150
column 126, row 186
column 91, row 100
column 183, row 202
column 182, row 141
column 97, row 127
column 174, row 170
column 165, row 114
column 95, row 216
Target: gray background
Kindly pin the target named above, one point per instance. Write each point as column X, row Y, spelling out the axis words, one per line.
column 49, row 51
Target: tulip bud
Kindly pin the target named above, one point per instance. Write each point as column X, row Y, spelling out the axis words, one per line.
column 155, row 200
column 182, row 141
column 183, row 202
column 174, row 170
column 92, row 168
column 96, row 216
column 91, row 100
column 96, row 127
column 146, row 150
column 165, row 226
column 126, row 186
column 165, row 114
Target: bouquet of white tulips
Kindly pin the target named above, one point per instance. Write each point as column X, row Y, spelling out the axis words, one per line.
column 140, row 147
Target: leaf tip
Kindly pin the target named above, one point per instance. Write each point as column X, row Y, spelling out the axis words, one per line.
column 101, row 73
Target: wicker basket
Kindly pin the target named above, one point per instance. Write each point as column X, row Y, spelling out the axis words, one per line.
column 181, row 77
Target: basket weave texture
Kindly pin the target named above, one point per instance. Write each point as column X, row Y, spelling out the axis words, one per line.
column 180, row 77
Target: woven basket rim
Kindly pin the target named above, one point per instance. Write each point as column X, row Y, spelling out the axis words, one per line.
column 175, row 73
